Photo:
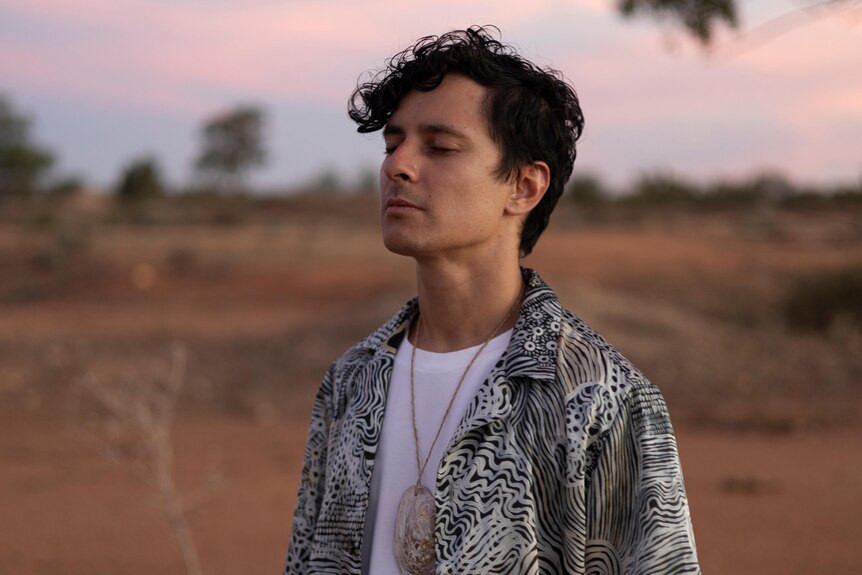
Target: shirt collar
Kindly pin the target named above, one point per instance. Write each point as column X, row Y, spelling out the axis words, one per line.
column 532, row 350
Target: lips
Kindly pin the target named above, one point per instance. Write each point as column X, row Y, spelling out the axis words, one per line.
column 401, row 204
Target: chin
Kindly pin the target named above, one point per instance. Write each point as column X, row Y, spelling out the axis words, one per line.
column 405, row 242
column 400, row 246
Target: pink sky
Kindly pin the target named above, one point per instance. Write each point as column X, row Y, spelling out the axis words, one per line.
column 793, row 103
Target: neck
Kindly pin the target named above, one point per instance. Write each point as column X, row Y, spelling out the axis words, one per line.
column 461, row 305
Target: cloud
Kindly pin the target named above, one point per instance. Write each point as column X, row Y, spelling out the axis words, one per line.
column 300, row 49
column 792, row 97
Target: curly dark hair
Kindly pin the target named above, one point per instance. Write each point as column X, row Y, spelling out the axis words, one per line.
column 533, row 113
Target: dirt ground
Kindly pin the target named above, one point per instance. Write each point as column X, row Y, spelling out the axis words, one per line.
column 767, row 418
column 768, row 505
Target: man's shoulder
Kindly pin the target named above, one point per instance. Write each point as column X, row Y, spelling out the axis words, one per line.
column 600, row 385
column 585, row 357
column 583, row 336
column 383, row 340
column 552, row 343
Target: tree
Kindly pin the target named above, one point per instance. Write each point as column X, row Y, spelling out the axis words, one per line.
column 140, row 180
column 368, row 182
column 232, row 145
column 700, row 17
column 22, row 164
column 662, row 189
column 586, row 190
column 66, row 187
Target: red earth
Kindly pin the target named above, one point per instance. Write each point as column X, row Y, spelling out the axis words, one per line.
column 766, row 417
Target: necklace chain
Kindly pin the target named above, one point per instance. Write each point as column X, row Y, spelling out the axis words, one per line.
column 420, row 468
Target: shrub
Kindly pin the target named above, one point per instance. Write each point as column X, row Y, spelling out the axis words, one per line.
column 662, row 189
column 141, row 180
column 586, row 190
column 816, row 302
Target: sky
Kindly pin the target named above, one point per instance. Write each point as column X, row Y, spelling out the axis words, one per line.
column 110, row 81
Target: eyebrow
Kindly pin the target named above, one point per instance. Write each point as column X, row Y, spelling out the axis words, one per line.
column 396, row 130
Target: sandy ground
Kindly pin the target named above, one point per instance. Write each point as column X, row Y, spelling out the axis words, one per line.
column 767, row 505
column 767, row 418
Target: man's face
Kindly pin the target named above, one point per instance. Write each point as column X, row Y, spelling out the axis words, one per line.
column 439, row 191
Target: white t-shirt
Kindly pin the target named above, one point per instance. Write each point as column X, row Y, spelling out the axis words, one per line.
column 436, row 377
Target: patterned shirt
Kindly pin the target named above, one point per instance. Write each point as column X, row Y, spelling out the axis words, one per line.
column 565, row 461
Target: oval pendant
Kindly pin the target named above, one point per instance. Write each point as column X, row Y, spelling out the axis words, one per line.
column 414, row 532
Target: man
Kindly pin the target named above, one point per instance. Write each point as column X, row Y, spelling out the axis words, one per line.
column 483, row 429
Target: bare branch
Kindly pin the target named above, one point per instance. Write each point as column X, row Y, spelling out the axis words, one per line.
column 768, row 31
column 131, row 419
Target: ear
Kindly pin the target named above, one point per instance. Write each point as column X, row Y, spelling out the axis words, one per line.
column 530, row 186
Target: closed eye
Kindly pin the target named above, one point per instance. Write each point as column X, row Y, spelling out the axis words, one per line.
column 441, row 150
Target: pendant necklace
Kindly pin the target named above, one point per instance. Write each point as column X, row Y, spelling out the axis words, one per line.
column 414, row 524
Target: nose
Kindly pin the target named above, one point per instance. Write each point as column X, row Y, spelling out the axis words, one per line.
column 400, row 164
